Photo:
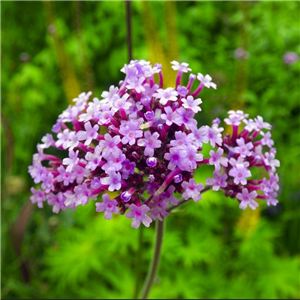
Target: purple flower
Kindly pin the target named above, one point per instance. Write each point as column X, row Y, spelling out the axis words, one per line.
column 37, row 171
column 247, row 199
column 168, row 195
column 150, row 142
column 113, row 180
column 206, row 81
column 191, row 159
column 130, row 131
column 243, row 149
column 261, row 124
column 270, row 185
column 114, row 162
column 82, row 194
column 110, row 145
column 201, row 135
column 64, row 176
column 80, row 173
column 290, row 57
column 271, row 161
column 138, row 214
column 108, row 206
column 169, row 94
column 176, row 157
column 135, row 83
column 235, row 117
column 270, row 198
column 111, row 94
column 218, row 181
column 48, row 141
column 217, row 159
column 185, row 117
column 63, row 139
column 105, row 115
column 71, row 161
column 94, row 159
column 190, row 103
column 56, row 201
column 169, row 116
column 38, row 196
column 192, row 190
column 149, row 90
column 121, row 102
column 239, row 171
column 89, row 134
column 183, row 67
column 182, row 91
column 182, row 139
column 214, row 135
column 127, row 168
column 266, row 140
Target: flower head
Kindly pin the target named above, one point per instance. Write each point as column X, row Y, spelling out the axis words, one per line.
column 150, row 149
column 290, row 57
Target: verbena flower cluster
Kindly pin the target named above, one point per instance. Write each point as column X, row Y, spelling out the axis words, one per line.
column 141, row 141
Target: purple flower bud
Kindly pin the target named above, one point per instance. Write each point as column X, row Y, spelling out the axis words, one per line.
column 126, row 196
column 216, row 121
column 135, row 155
column 151, row 178
column 192, row 77
column 151, row 161
column 177, row 178
column 149, row 115
column 182, row 90
column 162, row 131
column 175, row 105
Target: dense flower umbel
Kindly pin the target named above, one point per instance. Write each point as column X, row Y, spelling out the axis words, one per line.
column 244, row 154
column 149, row 150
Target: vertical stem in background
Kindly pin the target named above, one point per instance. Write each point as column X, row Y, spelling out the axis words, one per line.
column 128, row 27
column 71, row 84
column 159, row 230
column 86, row 71
column 241, row 72
column 171, row 31
column 154, row 42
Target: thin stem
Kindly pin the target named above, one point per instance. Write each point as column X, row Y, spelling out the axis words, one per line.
column 169, row 209
column 157, row 249
column 155, row 259
column 128, row 28
column 138, row 264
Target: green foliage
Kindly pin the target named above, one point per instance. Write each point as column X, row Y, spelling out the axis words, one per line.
column 211, row 249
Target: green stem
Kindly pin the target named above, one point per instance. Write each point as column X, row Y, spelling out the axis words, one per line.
column 169, row 209
column 155, row 260
column 138, row 264
column 128, row 28
column 157, row 249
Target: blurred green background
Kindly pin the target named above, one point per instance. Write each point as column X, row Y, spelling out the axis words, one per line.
column 52, row 51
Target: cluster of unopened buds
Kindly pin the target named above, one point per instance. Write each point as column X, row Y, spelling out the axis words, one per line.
column 136, row 148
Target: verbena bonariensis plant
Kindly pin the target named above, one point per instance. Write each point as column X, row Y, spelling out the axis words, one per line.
column 149, row 150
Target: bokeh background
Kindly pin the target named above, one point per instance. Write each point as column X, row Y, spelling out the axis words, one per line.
column 52, row 51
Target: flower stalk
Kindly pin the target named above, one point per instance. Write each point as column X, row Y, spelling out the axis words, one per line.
column 159, row 232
